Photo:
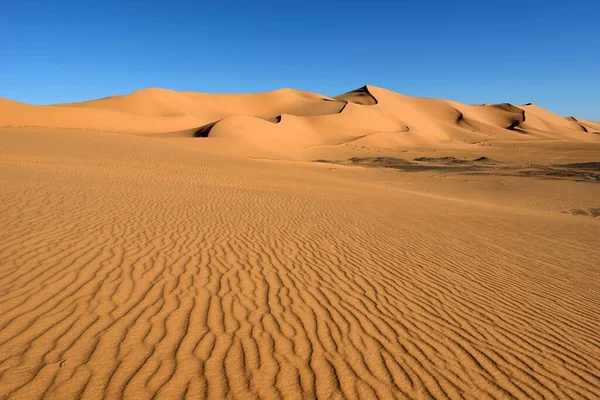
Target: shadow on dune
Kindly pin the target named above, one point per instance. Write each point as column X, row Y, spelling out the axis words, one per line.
column 203, row 131
column 360, row 96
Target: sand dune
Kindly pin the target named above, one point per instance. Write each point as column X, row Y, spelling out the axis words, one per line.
column 14, row 114
column 373, row 116
column 144, row 255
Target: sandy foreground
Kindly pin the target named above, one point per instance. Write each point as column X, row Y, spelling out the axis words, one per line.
column 157, row 263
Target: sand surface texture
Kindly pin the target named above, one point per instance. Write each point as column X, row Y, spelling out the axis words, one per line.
column 184, row 245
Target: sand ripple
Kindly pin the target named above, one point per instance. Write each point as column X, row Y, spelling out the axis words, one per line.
column 162, row 274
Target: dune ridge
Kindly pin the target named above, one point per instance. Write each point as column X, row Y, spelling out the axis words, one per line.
column 373, row 116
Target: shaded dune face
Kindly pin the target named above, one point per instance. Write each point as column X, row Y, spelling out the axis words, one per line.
column 204, row 131
column 359, row 96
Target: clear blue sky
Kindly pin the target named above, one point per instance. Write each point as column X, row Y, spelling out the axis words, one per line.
column 545, row 52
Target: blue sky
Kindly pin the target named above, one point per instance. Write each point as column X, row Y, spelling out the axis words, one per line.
column 536, row 51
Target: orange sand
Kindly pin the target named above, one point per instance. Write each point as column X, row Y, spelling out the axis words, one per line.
column 139, row 261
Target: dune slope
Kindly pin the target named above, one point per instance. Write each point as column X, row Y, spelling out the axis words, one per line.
column 371, row 117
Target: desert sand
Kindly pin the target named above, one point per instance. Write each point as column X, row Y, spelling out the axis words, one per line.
column 293, row 245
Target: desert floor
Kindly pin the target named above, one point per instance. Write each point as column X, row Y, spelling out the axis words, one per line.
column 145, row 266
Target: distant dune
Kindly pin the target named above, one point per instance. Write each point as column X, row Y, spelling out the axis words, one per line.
column 287, row 121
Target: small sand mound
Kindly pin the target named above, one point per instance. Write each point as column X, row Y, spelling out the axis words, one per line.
column 484, row 160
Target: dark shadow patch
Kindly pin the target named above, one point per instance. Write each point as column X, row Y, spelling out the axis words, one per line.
column 555, row 173
column 410, row 166
column 477, row 166
column 276, row 119
column 513, row 125
column 590, row 212
column 380, row 160
column 484, row 160
column 360, row 96
column 204, row 131
column 441, row 160
column 454, row 160
column 592, row 166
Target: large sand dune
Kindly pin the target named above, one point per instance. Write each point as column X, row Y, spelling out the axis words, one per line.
column 142, row 257
column 290, row 123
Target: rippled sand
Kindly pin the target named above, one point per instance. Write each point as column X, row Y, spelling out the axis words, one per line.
column 135, row 267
